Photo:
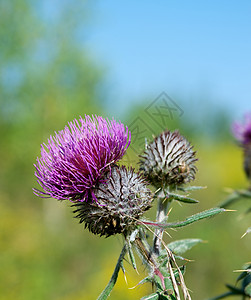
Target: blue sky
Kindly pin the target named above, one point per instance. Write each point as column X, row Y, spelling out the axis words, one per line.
column 193, row 50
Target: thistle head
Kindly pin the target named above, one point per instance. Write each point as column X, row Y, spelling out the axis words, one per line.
column 75, row 159
column 242, row 132
column 119, row 202
column 168, row 160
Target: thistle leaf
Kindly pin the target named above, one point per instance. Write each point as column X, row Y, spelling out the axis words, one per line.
column 181, row 198
column 181, row 246
column 248, row 289
column 230, row 199
column 158, row 296
column 154, row 296
column 234, row 290
column 194, row 218
column 106, row 292
column 225, row 295
column 236, row 195
column 242, row 276
column 143, row 281
column 244, row 193
column 131, row 255
column 191, row 188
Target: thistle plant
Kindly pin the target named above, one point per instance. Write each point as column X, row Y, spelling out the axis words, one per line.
column 81, row 164
column 242, row 133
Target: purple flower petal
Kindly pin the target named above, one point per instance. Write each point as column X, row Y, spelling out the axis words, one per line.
column 242, row 131
column 75, row 159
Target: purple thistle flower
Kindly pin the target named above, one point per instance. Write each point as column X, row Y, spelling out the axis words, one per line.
column 74, row 161
column 242, row 132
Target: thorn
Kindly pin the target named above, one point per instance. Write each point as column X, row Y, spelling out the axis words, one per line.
column 165, row 199
column 179, row 203
column 230, row 210
column 243, row 235
column 157, row 190
column 169, row 212
column 125, row 279
column 187, row 260
column 146, row 144
column 131, row 288
column 168, row 234
column 125, row 276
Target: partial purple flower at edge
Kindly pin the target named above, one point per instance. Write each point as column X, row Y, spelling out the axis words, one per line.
column 242, row 131
column 75, row 160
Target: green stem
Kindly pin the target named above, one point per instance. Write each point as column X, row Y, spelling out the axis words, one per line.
column 163, row 205
column 106, row 292
column 223, row 296
column 149, row 260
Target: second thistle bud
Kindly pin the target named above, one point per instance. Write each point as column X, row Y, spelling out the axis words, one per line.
column 168, row 160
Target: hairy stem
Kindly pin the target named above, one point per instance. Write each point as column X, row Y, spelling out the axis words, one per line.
column 163, row 205
column 149, row 260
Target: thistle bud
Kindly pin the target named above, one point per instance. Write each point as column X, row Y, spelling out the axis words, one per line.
column 168, row 160
column 119, row 202
column 242, row 133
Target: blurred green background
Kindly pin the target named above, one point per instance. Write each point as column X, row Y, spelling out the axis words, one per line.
column 47, row 79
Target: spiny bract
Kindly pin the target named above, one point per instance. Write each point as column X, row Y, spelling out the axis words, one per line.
column 119, row 203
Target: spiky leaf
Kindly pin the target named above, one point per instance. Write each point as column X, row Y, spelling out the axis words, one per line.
column 248, row 289
column 154, row 296
column 181, row 198
column 234, row 289
column 230, row 200
column 191, row 188
column 106, row 292
column 245, row 273
column 181, row 246
column 194, row 218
